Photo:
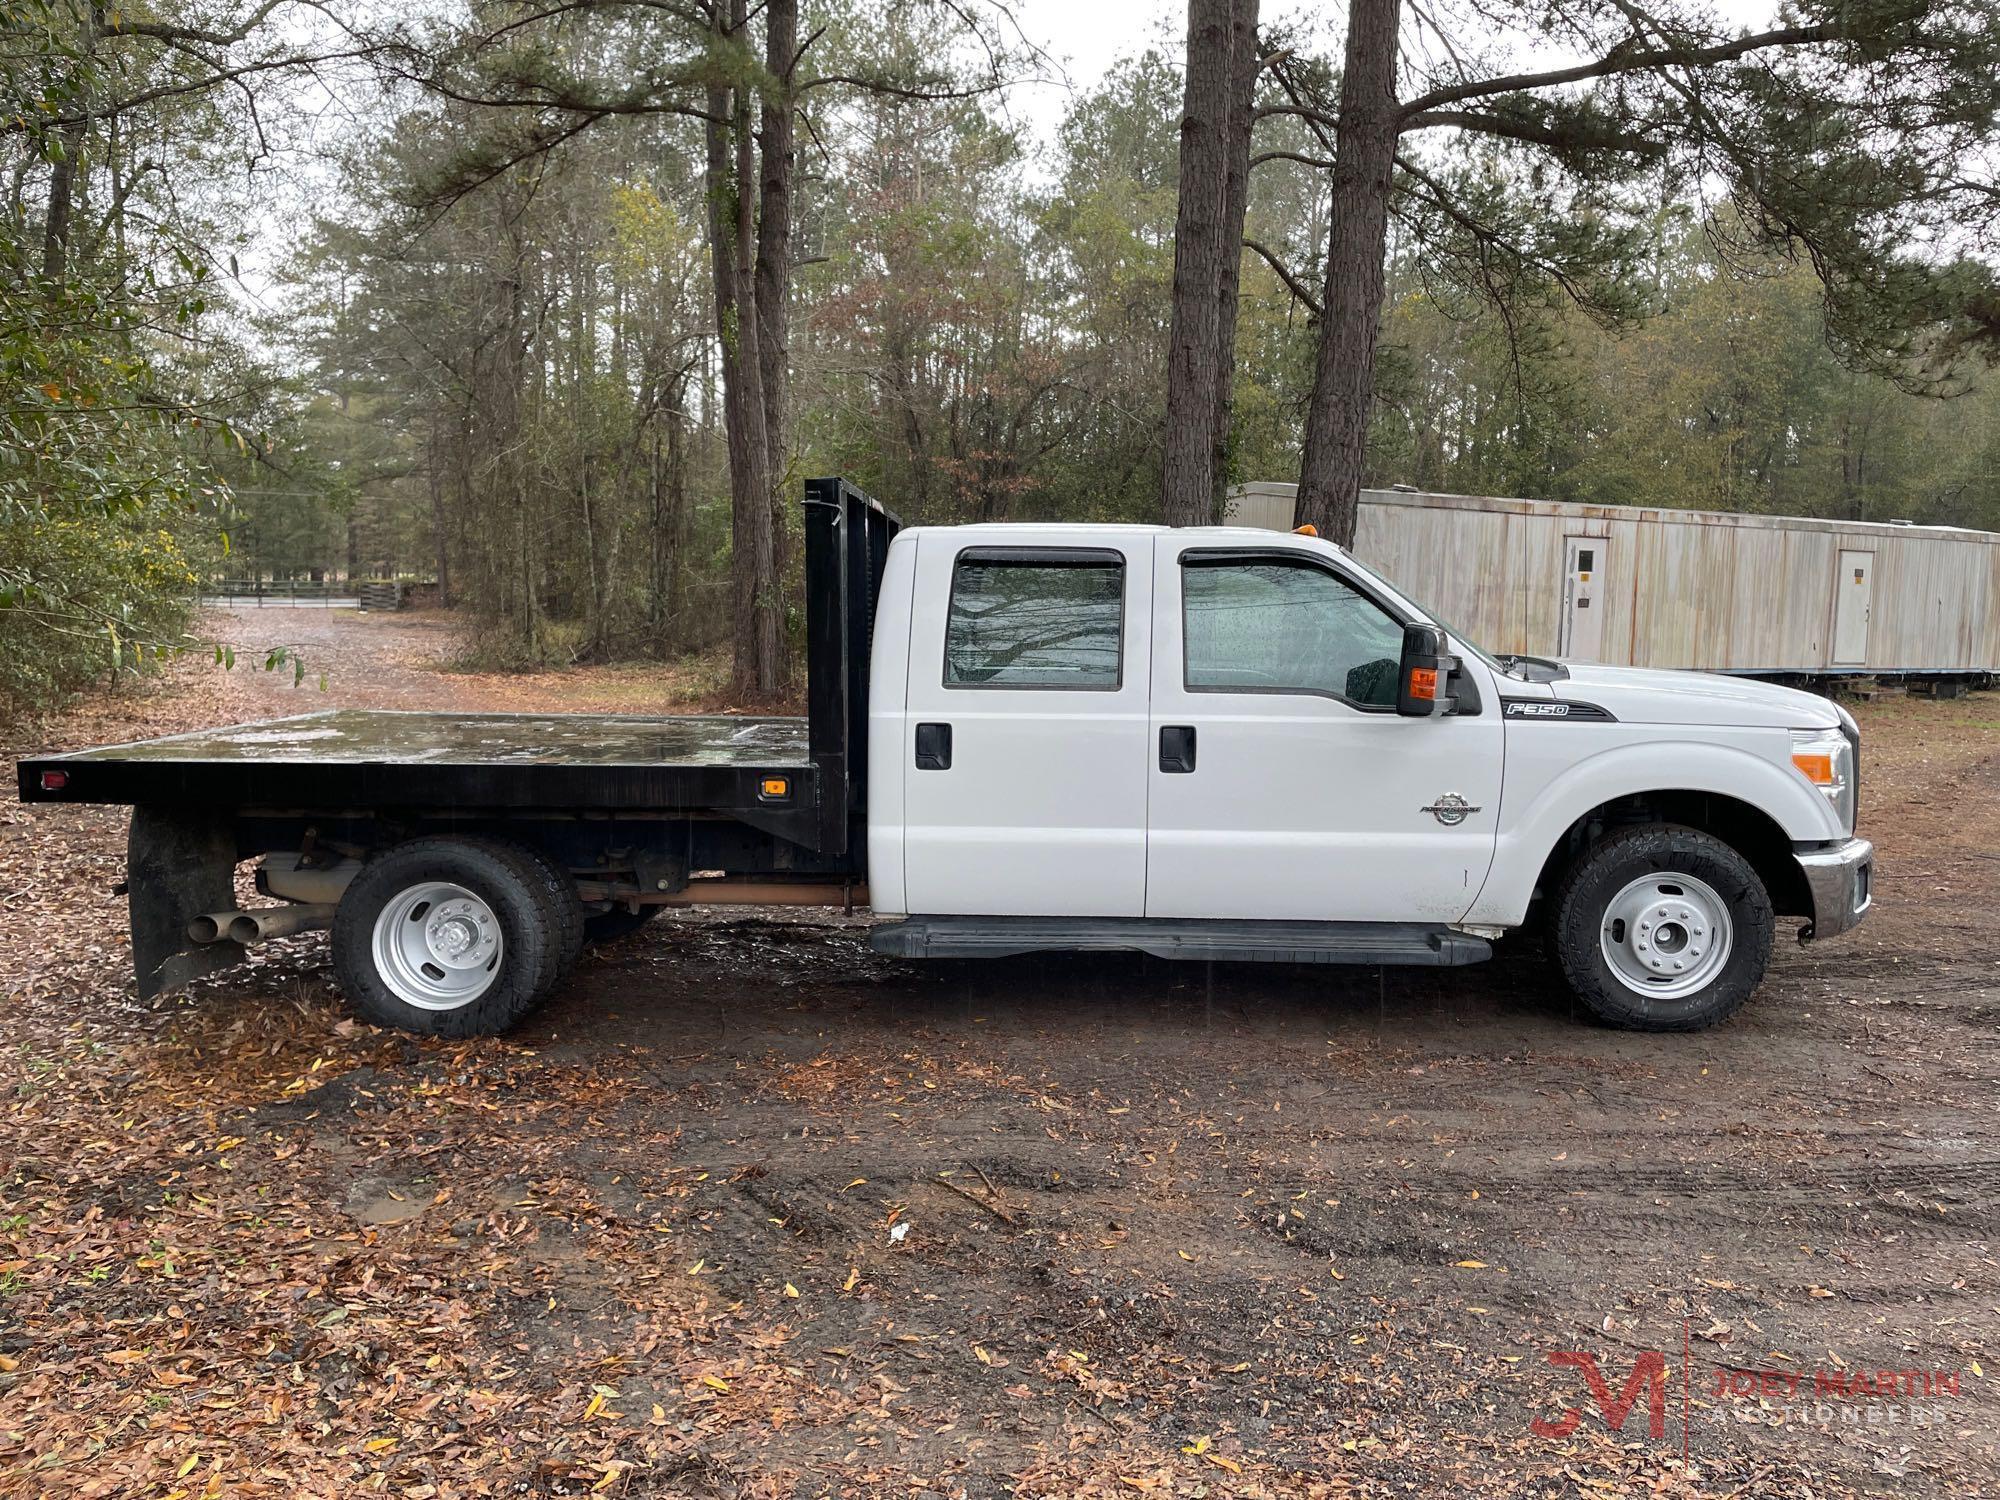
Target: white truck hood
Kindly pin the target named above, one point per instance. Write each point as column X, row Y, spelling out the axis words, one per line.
column 1640, row 695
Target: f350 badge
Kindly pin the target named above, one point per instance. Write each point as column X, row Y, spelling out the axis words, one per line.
column 1450, row 809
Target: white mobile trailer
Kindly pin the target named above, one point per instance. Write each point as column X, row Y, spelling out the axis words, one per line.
column 1648, row 587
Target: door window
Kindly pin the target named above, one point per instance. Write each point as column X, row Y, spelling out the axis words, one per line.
column 1036, row 617
column 1270, row 625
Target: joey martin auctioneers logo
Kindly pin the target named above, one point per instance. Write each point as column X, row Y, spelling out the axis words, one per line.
column 1835, row 1396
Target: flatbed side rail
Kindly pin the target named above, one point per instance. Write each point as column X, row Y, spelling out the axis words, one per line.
column 847, row 545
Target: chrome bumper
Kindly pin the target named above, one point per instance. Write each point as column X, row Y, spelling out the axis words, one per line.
column 1842, row 882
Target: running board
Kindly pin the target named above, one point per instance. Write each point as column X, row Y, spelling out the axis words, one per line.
column 1170, row 937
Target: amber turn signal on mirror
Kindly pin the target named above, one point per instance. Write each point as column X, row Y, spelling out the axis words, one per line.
column 1423, row 682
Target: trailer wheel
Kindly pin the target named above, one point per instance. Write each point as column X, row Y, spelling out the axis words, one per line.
column 1662, row 928
column 455, row 936
column 609, row 926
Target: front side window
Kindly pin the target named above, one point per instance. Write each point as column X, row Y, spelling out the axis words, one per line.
column 1024, row 617
column 1256, row 625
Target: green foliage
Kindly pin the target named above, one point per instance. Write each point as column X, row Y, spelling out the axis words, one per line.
column 113, row 451
column 106, row 507
column 1730, row 397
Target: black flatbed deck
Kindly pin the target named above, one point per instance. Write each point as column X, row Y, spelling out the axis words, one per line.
column 366, row 758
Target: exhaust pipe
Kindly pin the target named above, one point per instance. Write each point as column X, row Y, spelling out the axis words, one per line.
column 248, row 927
column 211, row 926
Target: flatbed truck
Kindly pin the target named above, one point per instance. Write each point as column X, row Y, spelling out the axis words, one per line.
column 1206, row 743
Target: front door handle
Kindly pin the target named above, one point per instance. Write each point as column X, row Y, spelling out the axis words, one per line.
column 1177, row 748
column 933, row 747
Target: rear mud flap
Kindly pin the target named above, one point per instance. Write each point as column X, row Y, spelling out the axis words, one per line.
column 178, row 865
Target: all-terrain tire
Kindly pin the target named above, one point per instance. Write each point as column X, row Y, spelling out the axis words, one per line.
column 574, row 918
column 1581, row 926
column 620, row 921
column 533, row 905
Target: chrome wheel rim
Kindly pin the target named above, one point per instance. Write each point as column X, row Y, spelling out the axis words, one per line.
column 1666, row 936
column 438, row 946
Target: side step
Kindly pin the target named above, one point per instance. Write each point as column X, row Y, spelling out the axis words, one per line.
column 1415, row 943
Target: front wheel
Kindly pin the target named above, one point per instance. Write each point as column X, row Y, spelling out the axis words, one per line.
column 455, row 936
column 1662, row 928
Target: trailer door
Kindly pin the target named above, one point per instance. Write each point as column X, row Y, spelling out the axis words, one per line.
column 1853, row 604
column 1583, row 598
column 1026, row 726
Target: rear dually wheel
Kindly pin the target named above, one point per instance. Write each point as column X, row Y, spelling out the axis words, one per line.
column 455, row 936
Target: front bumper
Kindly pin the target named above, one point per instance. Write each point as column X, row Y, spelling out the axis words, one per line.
column 1841, row 879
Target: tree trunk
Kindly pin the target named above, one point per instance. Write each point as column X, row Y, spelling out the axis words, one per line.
column 1245, row 60
column 1357, row 236
column 774, row 262
column 435, row 477
column 1186, row 478
column 732, row 208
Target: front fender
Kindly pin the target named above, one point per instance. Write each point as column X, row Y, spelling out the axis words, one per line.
column 1537, row 810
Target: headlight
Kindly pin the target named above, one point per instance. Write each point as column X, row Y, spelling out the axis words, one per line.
column 1825, row 757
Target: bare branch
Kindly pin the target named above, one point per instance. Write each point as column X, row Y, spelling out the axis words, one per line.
column 1629, row 57
column 1534, row 132
column 1292, row 283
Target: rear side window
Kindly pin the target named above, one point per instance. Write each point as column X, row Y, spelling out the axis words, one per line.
column 1035, row 617
column 1255, row 626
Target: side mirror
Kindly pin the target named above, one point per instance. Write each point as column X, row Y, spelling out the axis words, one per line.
column 1424, row 673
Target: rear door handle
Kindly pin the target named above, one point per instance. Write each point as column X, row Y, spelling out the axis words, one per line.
column 933, row 747
column 1177, row 748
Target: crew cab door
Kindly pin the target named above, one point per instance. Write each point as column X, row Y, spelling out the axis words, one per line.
column 1284, row 784
column 1026, row 731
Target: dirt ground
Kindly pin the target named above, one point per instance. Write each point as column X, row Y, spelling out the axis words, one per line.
column 748, row 1210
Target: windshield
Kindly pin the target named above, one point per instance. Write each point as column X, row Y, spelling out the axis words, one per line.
column 1507, row 666
column 1467, row 642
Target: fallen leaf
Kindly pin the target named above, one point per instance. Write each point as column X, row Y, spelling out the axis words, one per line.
column 1470, row 1265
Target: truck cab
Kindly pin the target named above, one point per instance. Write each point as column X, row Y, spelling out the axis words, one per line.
column 1208, row 743
column 1205, row 742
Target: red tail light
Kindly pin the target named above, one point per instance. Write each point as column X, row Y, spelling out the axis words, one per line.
column 54, row 781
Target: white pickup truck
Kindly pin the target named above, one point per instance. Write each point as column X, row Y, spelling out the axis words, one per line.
column 1211, row 743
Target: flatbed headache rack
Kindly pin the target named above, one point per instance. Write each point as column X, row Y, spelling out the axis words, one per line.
column 662, row 794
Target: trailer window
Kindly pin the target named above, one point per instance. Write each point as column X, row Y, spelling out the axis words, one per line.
column 1275, row 626
column 1025, row 617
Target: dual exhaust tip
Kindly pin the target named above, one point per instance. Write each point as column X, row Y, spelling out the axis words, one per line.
column 248, row 927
